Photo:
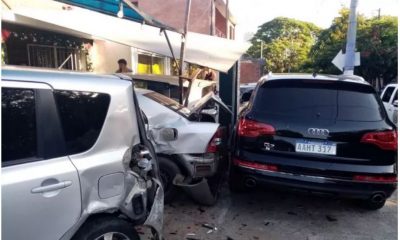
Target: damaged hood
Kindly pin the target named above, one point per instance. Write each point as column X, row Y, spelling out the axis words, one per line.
column 192, row 137
column 202, row 103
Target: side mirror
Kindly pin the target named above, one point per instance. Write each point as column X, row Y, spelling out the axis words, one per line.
column 246, row 97
column 395, row 103
column 168, row 134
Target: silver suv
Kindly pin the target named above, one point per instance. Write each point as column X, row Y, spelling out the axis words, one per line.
column 75, row 159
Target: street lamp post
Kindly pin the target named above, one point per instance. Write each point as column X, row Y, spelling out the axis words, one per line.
column 261, row 46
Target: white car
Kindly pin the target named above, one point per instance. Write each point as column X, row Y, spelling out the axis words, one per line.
column 189, row 145
column 389, row 99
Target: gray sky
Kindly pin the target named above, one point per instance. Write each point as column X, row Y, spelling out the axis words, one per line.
column 252, row 13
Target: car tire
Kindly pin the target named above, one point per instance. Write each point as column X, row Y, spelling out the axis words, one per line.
column 236, row 183
column 168, row 171
column 371, row 205
column 107, row 227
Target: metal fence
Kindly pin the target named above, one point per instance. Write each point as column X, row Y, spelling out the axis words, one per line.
column 56, row 57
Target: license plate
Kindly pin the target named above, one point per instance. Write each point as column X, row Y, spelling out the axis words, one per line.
column 326, row 148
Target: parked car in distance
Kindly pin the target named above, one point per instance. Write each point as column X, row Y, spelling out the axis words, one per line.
column 245, row 91
column 389, row 99
column 190, row 148
column 321, row 134
column 76, row 162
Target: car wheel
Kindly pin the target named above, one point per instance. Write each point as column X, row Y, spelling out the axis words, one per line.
column 236, row 183
column 107, row 228
column 371, row 204
column 168, row 171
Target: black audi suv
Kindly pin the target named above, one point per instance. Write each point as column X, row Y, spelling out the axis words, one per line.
column 317, row 133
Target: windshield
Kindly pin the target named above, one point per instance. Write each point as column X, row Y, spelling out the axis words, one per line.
column 169, row 103
column 323, row 100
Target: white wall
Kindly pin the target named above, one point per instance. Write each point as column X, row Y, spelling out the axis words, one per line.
column 105, row 54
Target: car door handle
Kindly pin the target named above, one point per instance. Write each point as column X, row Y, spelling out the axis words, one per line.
column 52, row 187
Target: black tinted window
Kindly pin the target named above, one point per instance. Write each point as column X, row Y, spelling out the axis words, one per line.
column 388, row 93
column 82, row 116
column 322, row 100
column 18, row 124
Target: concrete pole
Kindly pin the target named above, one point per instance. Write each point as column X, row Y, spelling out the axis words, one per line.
column 212, row 23
column 227, row 18
column 351, row 39
column 183, row 47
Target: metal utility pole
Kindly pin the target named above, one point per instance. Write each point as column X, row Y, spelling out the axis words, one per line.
column 212, row 22
column 351, row 39
column 262, row 49
column 227, row 19
column 183, row 47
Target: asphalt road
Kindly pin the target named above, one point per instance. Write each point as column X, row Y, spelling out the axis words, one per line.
column 269, row 214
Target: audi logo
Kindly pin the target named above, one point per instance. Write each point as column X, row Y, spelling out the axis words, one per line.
column 318, row 132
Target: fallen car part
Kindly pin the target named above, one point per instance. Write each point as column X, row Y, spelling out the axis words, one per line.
column 199, row 191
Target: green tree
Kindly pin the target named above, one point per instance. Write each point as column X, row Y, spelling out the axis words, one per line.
column 286, row 44
column 378, row 45
column 376, row 42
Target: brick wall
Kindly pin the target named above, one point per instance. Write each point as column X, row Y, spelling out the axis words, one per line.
column 249, row 71
column 172, row 13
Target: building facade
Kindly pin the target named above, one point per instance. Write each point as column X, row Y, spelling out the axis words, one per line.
column 32, row 46
column 206, row 16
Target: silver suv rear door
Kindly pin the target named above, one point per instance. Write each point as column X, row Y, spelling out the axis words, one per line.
column 40, row 186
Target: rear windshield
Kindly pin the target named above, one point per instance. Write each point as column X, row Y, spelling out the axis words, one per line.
column 312, row 99
column 169, row 103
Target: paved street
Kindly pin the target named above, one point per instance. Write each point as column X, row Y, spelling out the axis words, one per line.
column 268, row 214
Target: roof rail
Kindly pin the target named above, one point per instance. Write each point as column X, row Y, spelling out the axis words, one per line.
column 351, row 77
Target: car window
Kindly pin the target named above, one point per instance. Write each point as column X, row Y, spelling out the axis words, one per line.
column 82, row 117
column 331, row 101
column 388, row 93
column 169, row 103
column 18, row 124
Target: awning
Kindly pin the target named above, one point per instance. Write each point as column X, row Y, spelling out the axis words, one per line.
column 111, row 7
column 214, row 52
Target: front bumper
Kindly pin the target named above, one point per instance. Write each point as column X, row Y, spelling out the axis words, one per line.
column 314, row 184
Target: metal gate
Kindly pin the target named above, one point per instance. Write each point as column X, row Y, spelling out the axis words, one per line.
column 56, row 57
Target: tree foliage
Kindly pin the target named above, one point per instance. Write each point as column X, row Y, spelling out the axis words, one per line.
column 297, row 46
column 286, row 44
column 376, row 42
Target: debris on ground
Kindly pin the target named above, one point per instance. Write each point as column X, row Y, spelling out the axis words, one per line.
column 191, row 236
column 210, row 227
column 331, row 218
column 201, row 210
column 292, row 213
column 206, row 225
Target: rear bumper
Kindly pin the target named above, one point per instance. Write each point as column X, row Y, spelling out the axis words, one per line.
column 314, row 184
column 200, row 165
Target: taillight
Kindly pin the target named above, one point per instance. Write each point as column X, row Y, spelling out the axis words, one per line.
column 251, row 128
column 215, row 142
column 385, row 140
column 254, row 165
column 377, row 179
